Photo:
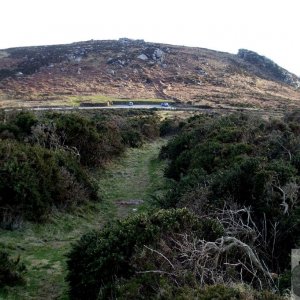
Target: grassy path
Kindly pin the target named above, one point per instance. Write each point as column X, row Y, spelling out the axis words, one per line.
column 137, row 177
column 42, row 248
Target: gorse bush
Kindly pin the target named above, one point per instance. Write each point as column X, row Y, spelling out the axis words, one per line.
column 25, row 121
column 95, row 143
column 158, row 256
column 34, row 179
column 100, row 258
column 19, row 125
column 95, row 139
column 170, row 126
column 243, row 161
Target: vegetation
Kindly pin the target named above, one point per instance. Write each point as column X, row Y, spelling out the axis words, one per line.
column 158, row 288
column 42, row 247
column 239, row 176
column 35, row 179
column 241, row 163
column 11, row 271
column 43, row 159
column 100, row 258
column 221, row 224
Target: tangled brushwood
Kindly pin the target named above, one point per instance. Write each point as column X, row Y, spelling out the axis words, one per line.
column 172, row 250
column 235, row 257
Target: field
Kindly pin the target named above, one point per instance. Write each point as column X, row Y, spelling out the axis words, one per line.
column 74, row 101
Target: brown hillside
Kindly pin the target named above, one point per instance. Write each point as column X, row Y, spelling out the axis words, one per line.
column 105, row 70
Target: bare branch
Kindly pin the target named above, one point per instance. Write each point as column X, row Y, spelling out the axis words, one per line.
column 153, row 250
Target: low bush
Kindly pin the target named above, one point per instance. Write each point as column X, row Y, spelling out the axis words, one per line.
column 80, row 133
column 33, row 180
column 95, row 138
column 25, row 121
column 170, row 126
column 100, row 258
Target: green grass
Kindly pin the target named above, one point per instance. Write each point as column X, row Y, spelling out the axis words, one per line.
column 158, row 100
column 75, row 100
column 72, row 100
column 42, row 247
column 137, row 177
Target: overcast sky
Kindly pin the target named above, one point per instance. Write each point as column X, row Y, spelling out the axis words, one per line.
column 268, row 27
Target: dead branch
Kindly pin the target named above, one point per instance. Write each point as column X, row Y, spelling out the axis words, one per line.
column 159, row 253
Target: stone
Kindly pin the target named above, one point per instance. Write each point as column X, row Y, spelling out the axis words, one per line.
column 155, row 54
column 158, row 53
column 143, row 57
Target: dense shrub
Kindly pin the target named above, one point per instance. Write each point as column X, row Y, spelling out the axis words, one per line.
column 18, row 126
column 132, row 137
column 101, row 138
column 245, row 161
column 24, row 121
column 138, row 129
column 95, row 138
column 102, row 257
column 11, row 271
column 34, row 179
column 170, row 126
column 80, row 133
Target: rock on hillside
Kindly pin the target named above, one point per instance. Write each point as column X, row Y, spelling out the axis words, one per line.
column 135, row 69
column 266, row 68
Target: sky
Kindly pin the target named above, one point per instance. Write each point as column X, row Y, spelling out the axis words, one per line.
column 270, row 28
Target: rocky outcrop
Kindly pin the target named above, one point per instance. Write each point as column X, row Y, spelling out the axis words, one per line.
column 269, row 68
column 153, row 55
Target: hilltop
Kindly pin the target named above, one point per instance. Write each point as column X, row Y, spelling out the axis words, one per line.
column 135, row 69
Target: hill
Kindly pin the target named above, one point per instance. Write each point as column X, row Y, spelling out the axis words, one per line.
column 133, row 69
